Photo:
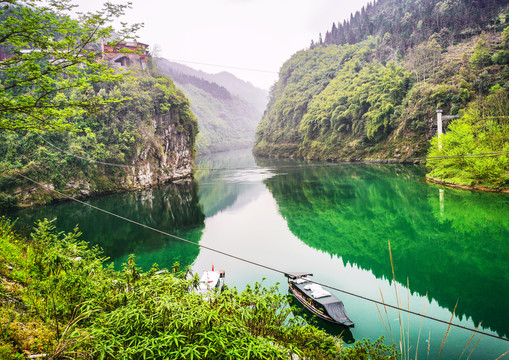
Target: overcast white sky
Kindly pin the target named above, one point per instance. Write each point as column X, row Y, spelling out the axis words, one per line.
column 252, row 34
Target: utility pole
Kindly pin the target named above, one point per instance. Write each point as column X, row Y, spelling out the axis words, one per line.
column 439, row 127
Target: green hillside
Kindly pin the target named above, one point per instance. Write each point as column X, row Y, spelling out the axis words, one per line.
column 228, row 109
column 371, row 89
column 150, row 136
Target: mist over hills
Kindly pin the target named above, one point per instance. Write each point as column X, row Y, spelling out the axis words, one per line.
column 228, row 109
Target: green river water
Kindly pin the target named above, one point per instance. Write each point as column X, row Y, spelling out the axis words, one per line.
column 448, row 246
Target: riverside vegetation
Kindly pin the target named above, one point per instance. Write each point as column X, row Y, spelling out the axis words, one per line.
column 59, row 298
column 371, row 88
column 146, row 129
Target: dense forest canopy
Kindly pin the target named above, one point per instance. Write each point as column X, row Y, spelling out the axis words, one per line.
column 408, row 23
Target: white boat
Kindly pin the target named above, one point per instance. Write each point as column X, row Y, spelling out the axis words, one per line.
column 211, row 281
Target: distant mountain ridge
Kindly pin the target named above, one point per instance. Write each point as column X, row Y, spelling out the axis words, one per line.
column 228, row 109
column 234, row 85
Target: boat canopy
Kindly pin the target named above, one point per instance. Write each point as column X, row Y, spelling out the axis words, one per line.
column 333, row 307
column 297, row 275
column 336, row 310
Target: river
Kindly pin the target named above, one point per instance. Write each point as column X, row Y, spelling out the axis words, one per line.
column 336, row 221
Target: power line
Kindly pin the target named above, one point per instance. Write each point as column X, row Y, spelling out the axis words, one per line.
column 264, row 266
column 496, row 153
column 83, row 158
column 224, row 66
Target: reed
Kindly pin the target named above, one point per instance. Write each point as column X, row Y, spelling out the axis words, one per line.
column 398, row 303
column 387, row 316
column 404, row 342
column 501, row 356
column 439, row 355
column 469, row 341
column 408, row 316
column 477, row 343
column 429, row 344
column 420, row 327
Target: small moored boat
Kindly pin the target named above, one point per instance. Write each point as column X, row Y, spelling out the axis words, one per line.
column 318, row 300
column 211, row 281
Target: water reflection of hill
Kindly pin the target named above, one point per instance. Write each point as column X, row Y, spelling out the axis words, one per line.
column 172, row 208
column 214, row 193
column 454, row 248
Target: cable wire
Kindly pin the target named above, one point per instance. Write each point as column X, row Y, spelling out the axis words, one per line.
column 262, row 265
column 224, row 66
column 83, row 158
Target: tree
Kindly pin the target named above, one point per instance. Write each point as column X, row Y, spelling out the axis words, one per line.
column 50, row 60
column 424, row 59
column 482, row 54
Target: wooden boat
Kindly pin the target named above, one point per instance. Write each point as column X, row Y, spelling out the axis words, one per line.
column 318, row 300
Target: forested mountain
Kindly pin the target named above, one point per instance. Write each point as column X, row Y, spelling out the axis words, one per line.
column 228, row 109
column 371, row 88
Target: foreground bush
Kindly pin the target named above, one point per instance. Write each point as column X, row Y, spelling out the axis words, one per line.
column 58, row 298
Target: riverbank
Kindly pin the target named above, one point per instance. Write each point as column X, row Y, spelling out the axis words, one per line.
column 336, row 220
column 38, row 194
column 473, row 187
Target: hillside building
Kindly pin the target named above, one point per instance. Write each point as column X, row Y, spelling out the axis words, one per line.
column 126, row 53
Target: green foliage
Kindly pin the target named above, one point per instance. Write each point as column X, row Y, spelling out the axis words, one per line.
column 8, row 201
column 302, row 78
column 69, row 306
column 161, row 319
column 482, row 55
column 484, row 128
column 501, row 57
column 365, row 350
column 49, row 58
column 119, row 133
column 361, row 103
column 341, row 100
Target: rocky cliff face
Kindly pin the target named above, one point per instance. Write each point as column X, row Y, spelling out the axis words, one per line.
column 164, row 158
column 164, row 161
